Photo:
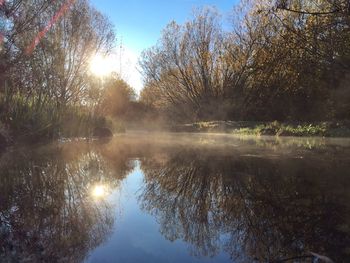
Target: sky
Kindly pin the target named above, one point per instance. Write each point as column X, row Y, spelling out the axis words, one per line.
column 138, row 25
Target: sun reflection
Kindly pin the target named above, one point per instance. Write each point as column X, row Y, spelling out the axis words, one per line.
column 99, row 191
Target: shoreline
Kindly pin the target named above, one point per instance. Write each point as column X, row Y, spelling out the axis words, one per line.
column 339, row 129
column 240, row 128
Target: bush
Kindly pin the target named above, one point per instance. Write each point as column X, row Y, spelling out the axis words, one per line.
column 29, row 122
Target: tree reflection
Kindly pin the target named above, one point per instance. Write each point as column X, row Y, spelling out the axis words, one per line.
column 47, row 212
column 256, row 203
column 268, row 210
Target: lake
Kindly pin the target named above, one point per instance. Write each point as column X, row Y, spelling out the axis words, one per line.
column 176, row 198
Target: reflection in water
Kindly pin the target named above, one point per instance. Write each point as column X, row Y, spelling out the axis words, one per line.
column 253, row 208
column 46, row 214
column 256, row 200
column 99, row 191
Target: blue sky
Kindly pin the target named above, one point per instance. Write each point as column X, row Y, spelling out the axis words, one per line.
column 139, row 22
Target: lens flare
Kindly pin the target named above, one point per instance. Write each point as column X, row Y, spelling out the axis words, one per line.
column 61, row 12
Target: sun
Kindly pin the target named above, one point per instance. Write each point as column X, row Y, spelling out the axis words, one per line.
column 101, row 66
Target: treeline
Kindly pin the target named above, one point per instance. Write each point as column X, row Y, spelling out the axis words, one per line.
column 46, row 87
column 285, row 60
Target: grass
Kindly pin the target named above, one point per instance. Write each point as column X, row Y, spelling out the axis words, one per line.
column 23, row 120
column 283, row 129
column 275, row 128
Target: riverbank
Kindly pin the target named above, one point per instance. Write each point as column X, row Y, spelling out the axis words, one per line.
column 81, row 129
column 321, row 129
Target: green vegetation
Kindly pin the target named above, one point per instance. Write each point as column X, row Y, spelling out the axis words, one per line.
column 276, row 128
column 323, row 129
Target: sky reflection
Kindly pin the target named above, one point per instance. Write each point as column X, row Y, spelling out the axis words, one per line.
column 185, row 199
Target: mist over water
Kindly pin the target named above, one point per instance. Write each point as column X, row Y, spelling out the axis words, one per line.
column 176, row 198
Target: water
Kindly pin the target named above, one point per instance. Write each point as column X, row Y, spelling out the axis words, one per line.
column 176, row 198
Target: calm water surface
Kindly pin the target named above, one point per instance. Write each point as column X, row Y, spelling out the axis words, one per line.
column 176, row 198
